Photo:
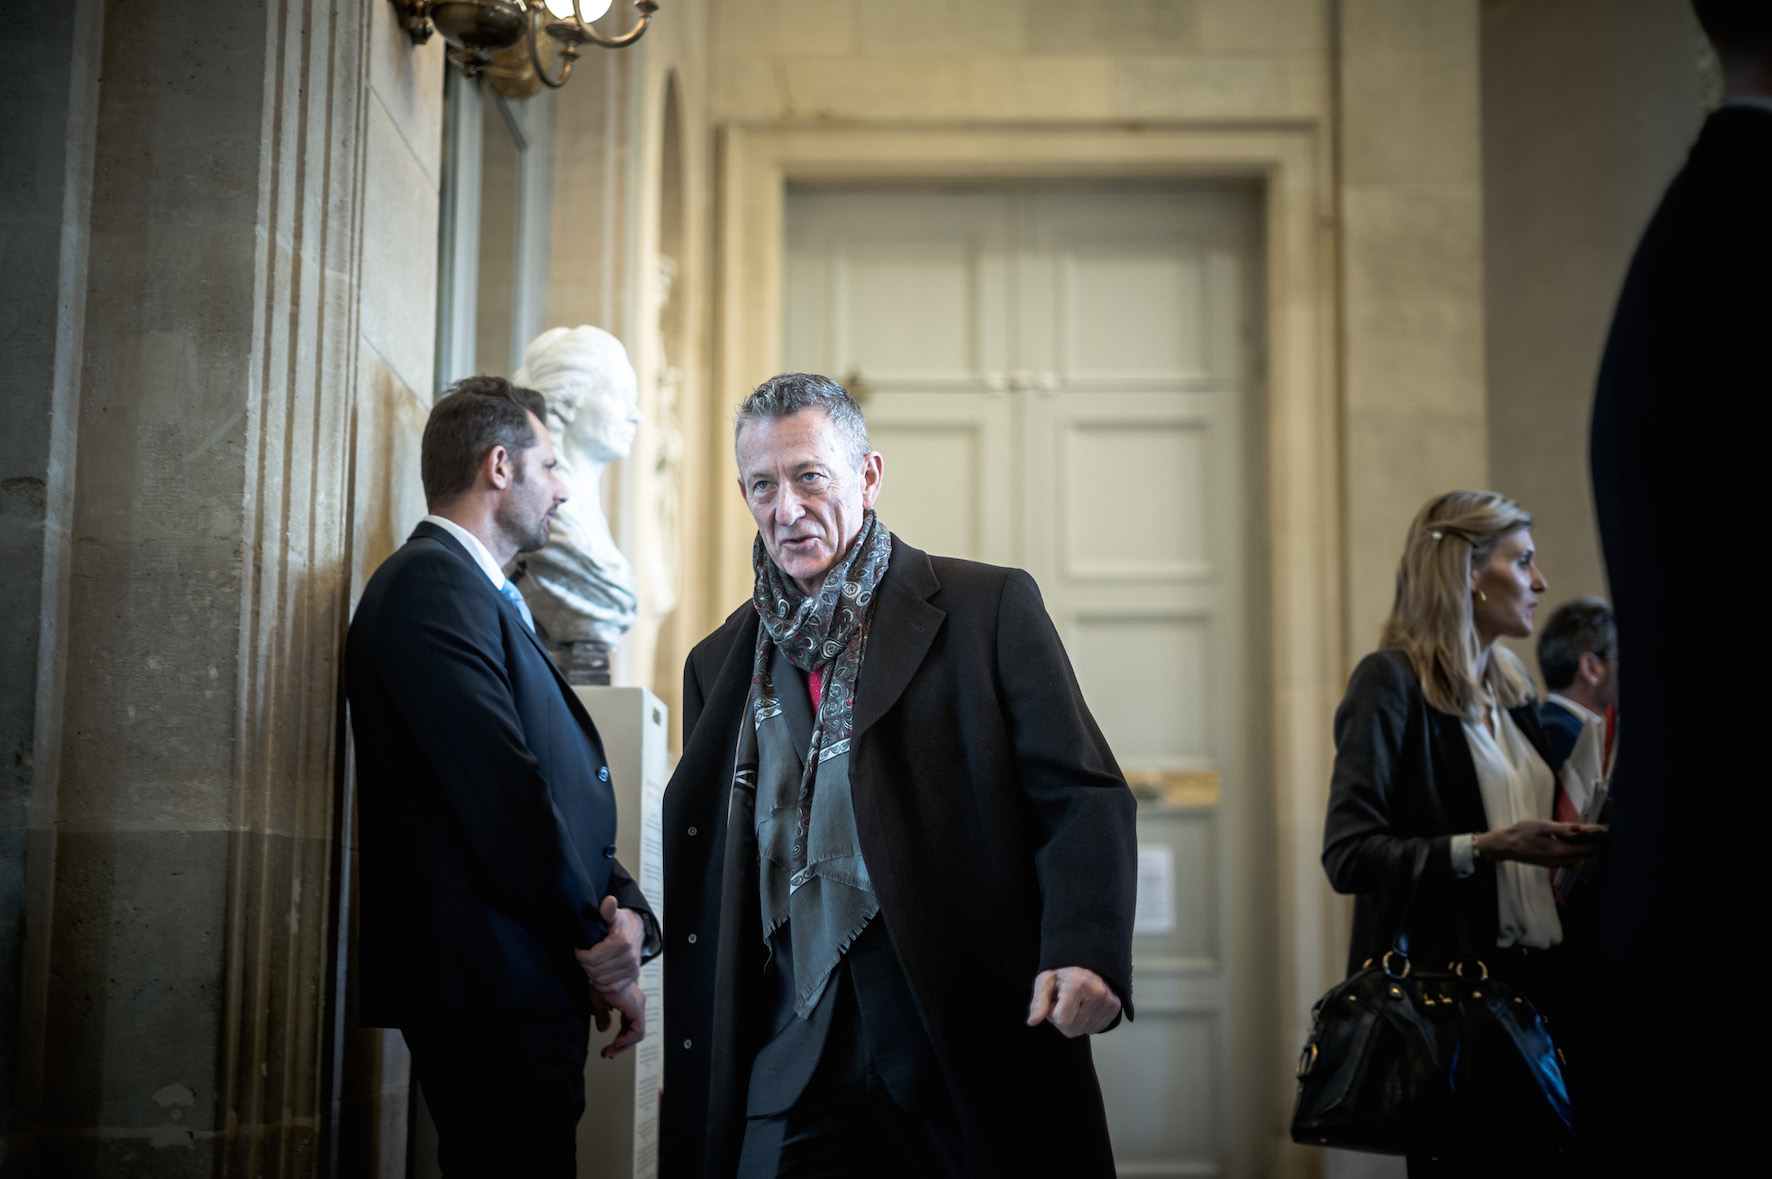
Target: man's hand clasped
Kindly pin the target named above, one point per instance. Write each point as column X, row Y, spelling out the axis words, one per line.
column 612, row 968
column 1074, row 1000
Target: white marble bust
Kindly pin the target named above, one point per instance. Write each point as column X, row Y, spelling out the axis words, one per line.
column 581, row 587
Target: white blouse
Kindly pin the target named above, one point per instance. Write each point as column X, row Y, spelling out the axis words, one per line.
column 1516, row 784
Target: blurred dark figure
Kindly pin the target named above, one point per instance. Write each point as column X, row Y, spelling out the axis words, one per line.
column 1578, row 657
column 1677, row 445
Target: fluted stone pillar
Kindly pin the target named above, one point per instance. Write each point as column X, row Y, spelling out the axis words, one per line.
column 171, row 1000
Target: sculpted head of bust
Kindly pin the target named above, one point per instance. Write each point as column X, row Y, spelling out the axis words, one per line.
column 592, row 393
column 580, row 586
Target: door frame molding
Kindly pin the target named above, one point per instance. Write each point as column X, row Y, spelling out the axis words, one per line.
column 1295, row 412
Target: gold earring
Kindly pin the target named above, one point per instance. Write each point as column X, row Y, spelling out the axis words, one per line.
column 1481, row 596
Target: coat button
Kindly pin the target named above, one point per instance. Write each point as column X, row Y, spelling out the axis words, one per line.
column 609, row 852
column 603, row 774
column 692, row 831
column 686, row 1043
column 692, row 939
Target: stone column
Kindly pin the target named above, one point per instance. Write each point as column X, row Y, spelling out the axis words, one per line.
column 46, row 138
column 185, row 770
column 1410, row 164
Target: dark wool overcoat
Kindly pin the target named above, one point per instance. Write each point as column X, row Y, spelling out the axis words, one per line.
column 999, row 834
column 1679, row 480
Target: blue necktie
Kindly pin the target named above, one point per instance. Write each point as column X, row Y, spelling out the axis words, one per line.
column 516, row 597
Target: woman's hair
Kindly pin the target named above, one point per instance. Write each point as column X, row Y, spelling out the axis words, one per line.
column 1430, row 621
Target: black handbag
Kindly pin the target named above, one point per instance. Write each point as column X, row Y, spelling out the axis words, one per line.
column 1406, row 1060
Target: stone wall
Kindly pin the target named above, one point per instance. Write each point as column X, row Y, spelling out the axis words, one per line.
column 224, row 354
column 45, row 189
column 1020, row 60
column 1411, row 194
column 1589, row 107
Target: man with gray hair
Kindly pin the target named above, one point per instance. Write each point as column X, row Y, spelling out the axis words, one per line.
column 899, row 856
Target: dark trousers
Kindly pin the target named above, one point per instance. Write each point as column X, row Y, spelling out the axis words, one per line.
column 506, row 1088
column 847, row 1123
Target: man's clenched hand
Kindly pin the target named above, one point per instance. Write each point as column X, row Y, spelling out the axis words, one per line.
column 1074, row 1000
column 614, row 962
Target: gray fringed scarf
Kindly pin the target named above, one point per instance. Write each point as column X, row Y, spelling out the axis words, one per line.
column 812, row 869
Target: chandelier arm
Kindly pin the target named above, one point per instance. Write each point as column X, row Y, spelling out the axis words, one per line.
column 646, row 7
column 535, row 54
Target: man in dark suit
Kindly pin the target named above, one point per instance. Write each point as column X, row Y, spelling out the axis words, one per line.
column 495, row 921
column 1578, row 657
column 1678, row 466
column 899, row 856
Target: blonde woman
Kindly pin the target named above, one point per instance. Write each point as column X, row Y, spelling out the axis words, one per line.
column 1442, row 792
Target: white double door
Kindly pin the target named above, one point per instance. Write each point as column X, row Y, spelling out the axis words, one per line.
column 1058, row 379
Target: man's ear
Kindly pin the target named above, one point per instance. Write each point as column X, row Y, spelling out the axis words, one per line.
column 1589, row 669
column 873, row 470
column 497, row 467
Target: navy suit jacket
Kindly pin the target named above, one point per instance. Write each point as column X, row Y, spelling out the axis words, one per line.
column 1562, row 729
column 487, row 822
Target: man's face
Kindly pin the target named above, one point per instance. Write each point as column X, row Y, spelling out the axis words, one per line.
column 526, row 507
column 805, row 492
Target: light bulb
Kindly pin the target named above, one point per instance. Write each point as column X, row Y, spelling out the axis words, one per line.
column 592, row 9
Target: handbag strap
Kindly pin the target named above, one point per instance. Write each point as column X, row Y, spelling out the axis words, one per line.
column 1462, row 938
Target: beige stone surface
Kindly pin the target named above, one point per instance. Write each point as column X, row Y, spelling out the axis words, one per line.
column 1413, row 301
column 1201, row 86
column 948, row 27
column 1589, row 108
column 1052, row 87
column 1409, row 92
column 1127, row 26
column 1396, row 460
column 406, row 81
column 1057, row 60
column 390, row 498
column 399, row 261
column 1411, row 248
column 1286, row 26
column 764, row 27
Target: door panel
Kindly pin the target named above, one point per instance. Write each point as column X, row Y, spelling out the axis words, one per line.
column 908, row 289
column 1057, row 379
column 948, row 471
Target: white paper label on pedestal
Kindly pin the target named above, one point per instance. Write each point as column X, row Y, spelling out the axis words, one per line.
column 649, row 1061
column 1155, row 912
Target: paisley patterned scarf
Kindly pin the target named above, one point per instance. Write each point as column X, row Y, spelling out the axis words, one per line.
column 812, row 869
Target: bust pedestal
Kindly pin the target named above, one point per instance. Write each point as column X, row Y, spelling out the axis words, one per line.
column 582, row 661
column 619, row 1132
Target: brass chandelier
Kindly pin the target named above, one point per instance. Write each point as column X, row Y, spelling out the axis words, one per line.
column 479, row 30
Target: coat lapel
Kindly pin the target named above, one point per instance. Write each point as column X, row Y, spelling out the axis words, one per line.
column 904, row 627
column 708, row 750
column 573, row 703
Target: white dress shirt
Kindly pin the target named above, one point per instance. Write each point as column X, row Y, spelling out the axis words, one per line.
column 1585, row 715
column 1515, row 784
column 475, row 549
